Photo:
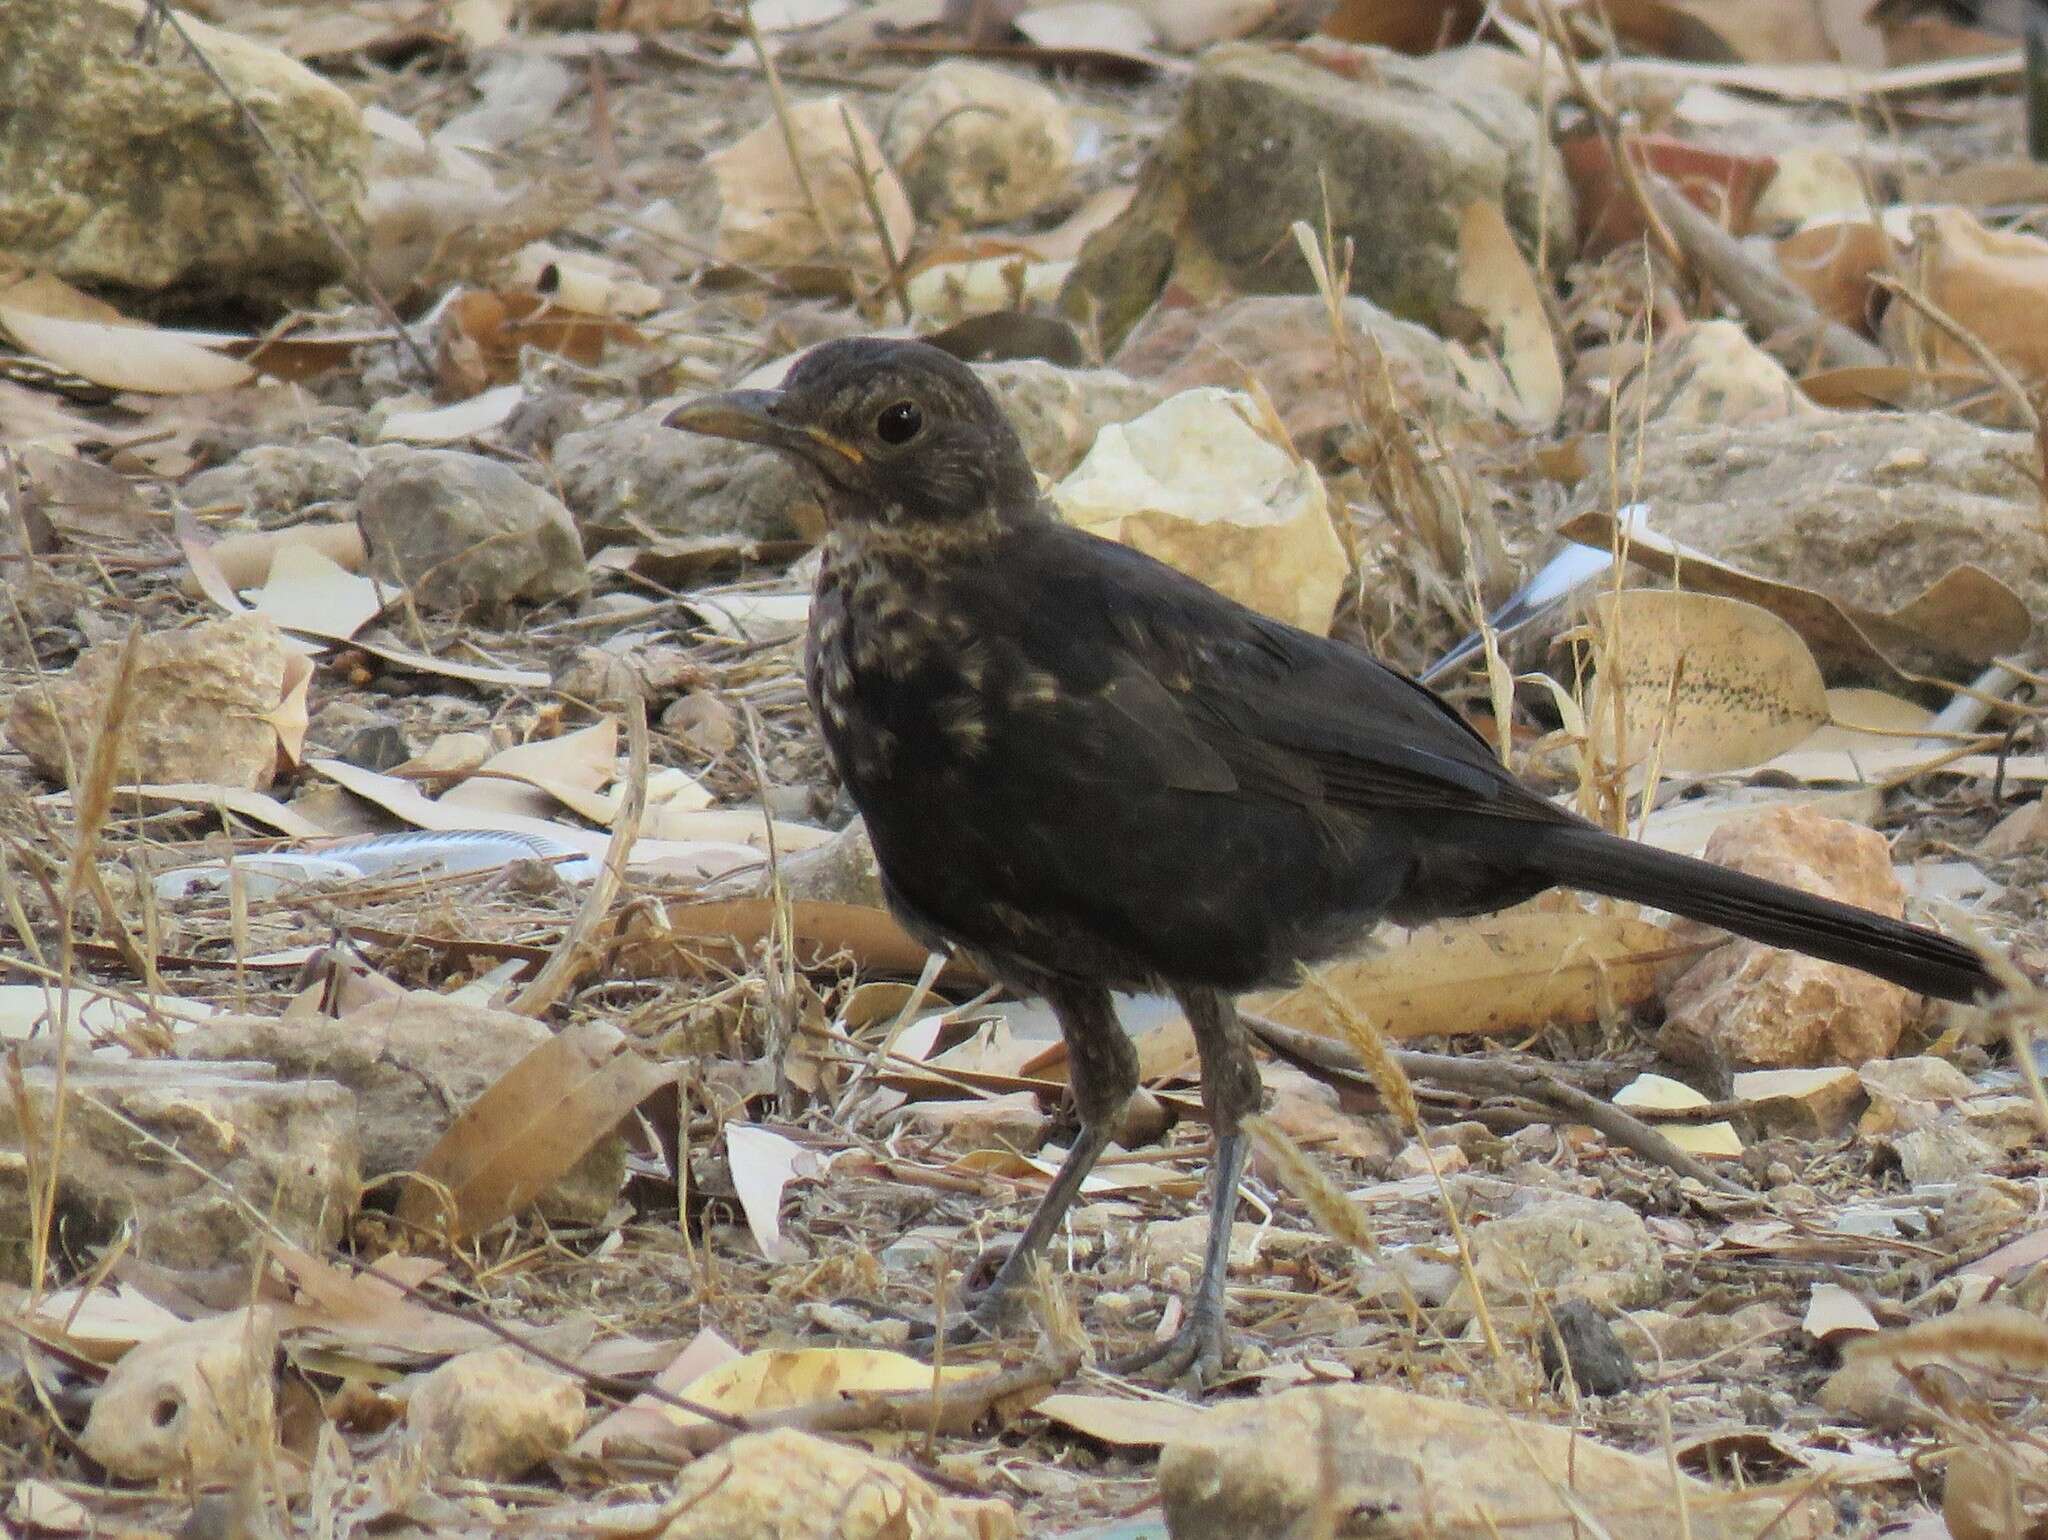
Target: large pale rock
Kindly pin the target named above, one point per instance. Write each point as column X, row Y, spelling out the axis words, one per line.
column 1058, row 412
column 196, row 707
column 788, row 1485
column 467, row 534
column 1284, row 342
column 128, row 166
column 1195, row 484
column 979, row 146
column 197, row 1403
column 767, row 219
column 1577, row 1248
column 246, row 1145
column 1710, row 375
column 493, row 1414
column 1413, row 1465
column 413, row 1062
column 1265, row 138
column 1869, row 508
column 1748, row 1004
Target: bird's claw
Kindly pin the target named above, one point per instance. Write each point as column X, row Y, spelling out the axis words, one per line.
column 1196, row 1351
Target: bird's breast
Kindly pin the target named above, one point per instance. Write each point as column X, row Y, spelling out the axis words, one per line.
column 896, row 676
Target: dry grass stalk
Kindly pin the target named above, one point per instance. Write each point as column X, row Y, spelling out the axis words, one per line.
column 1370, row 1044
column 891, row 258
column 573, row 955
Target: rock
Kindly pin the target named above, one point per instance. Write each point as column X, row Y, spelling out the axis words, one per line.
column 1283, row 341
column 766, row 216
column 1811, row 181
column 1196, row 484
column 1711, row 1335
column 1981, row 1208
column 195, row 1403
column 704, row 721
column 842, row 870
column 1905, row 1093
column 978, row 146
column 1167, row 1245
column 197, row 710
column 1265, row 138
column 1711, row 375
column 1873, row 1391
column 413, row 1063
column 1410, row 1464
column 631, row 481
column 466, row 534
column 1869, row 508
column 1662, row 1093
column 272, row 480
column 1058, row 412
column 1012, row 1122
column 493, row 1414
column 627, row 666
column 788, row 1485
column 246, row 1145
column 1578, row 1336
column 1749, row 1004
column 131, row 167
column 1801, row 1103
column 1578, row 1248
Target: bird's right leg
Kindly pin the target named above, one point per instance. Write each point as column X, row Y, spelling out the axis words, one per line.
column 1102, row 1069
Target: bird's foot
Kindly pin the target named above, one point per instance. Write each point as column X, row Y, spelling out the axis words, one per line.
column 1195, row 1351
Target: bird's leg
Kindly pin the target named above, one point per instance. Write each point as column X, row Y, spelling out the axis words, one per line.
column 1230, row 1093
column 1102, row 1069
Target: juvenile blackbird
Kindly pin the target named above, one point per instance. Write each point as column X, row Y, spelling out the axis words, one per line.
column 1090, row 772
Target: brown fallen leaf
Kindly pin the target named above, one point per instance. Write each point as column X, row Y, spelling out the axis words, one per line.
column 522, row 1135
column 688, row 938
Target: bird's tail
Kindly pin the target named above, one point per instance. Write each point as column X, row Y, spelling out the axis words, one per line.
column 1920, row 959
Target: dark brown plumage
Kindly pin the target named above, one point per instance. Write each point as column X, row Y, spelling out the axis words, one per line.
column 1092, row 772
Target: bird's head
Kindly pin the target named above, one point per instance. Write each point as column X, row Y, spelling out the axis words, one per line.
column 900, row 434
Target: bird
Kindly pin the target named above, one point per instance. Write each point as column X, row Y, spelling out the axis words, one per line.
column 1088, row 772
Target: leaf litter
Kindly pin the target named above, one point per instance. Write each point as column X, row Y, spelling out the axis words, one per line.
column 777, row 1216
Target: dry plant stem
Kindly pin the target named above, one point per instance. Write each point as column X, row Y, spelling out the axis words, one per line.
column 92, row 799
column 1764, row 299
column 780, row 101
column 161, row 14
column 1377, row 1057
column 1323, row 1057
column 574, row 953
column 1975, row 345
column 890, row 255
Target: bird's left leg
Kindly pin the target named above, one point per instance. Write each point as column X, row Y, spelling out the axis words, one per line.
column 1230, row 1093
column 1102, row 1070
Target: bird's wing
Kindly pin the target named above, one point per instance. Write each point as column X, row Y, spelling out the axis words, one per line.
column 1238, row 702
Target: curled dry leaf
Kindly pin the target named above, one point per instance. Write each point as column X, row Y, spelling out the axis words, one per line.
column 1966, row 617
column 1515, row 971
column 307, row 591
column 522, row 1135
column 96, row 342
column 1701, row 682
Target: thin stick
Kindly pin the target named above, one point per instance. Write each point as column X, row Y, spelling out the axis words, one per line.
column 570, row 958
column 873, row 200
column 1975, row 345
column 780, row 101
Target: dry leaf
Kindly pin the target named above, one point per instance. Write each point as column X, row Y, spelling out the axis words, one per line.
column 1832, row 1312
column 1117, row 1420
column 308, row 591
column 528, row 777
column 1662, row 1094
column 289, row 719
column 59, row 324
column 1966, row 615
column 1495, row 281
column 1516, row 971
column 762, row 1163
column 450, row 424
column 724, row 933
column 783, row 1377
column 522, row 1135
column 1702, row 682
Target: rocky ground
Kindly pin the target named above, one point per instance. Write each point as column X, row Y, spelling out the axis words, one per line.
column 460, row 1076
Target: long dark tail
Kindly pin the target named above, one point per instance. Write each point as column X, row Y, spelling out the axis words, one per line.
column 1770, row 912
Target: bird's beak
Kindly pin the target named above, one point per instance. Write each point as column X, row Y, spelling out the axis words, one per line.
column 750, row 415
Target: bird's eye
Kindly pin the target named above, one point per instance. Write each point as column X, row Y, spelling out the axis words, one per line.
column 899, row 422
